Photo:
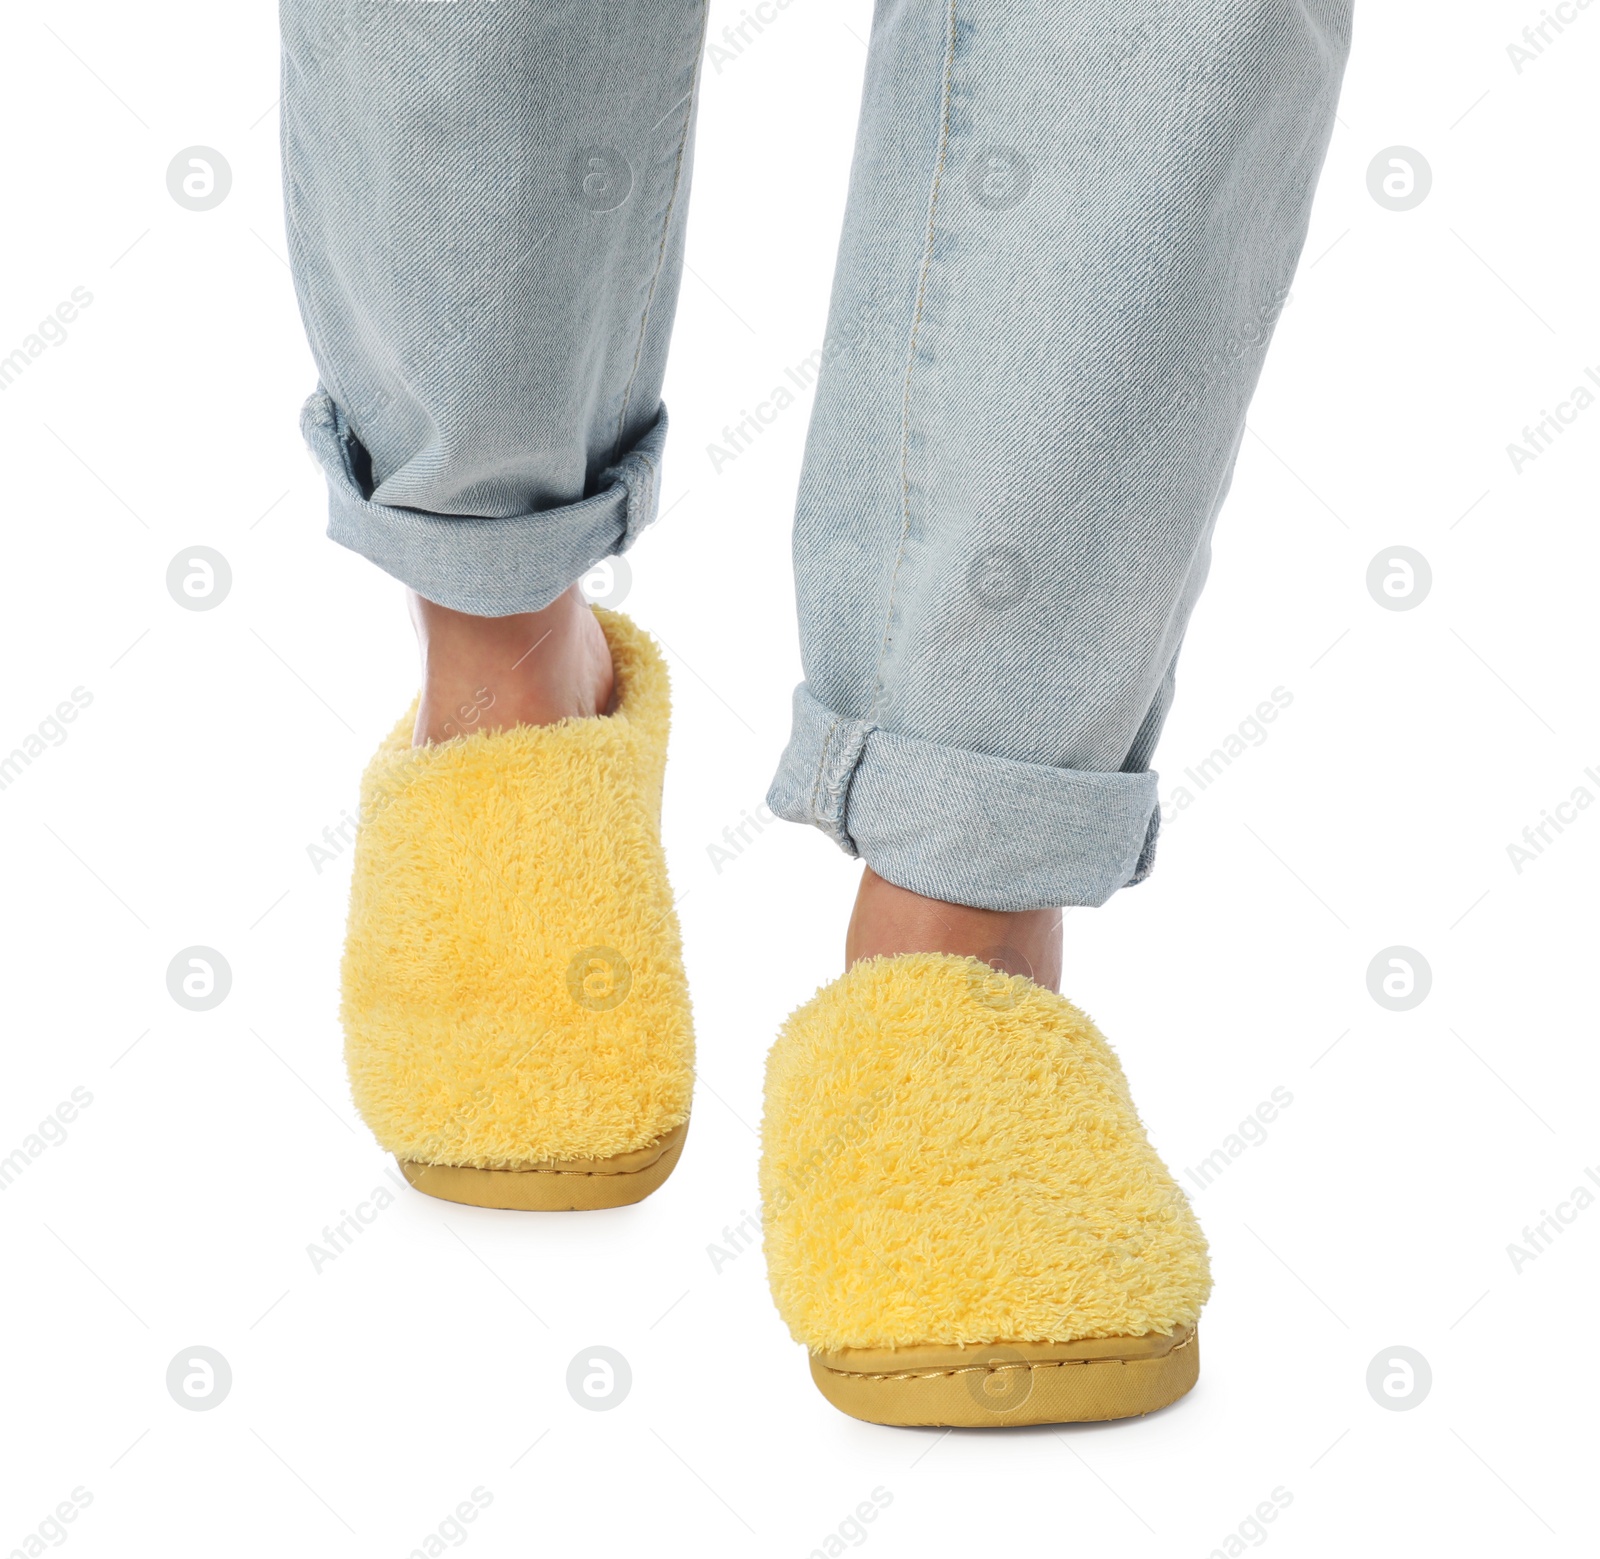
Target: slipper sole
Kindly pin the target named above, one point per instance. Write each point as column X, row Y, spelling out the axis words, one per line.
column 1001, row 1384
column 554, row 1185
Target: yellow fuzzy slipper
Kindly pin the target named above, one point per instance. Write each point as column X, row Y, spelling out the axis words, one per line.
column 516, row 1021
column 964, row 1220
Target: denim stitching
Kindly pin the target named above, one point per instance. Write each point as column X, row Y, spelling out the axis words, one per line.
column 299, row 266
column 666, row 233
column 840, row 779
column 822, row 768
column 637, row 475
column 911, row 359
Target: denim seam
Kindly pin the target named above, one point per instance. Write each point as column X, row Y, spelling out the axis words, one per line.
column 911, row 359
column 666, row 234
column 822, row 766
column 835, row 819
column 639, row 477
column 299, row 267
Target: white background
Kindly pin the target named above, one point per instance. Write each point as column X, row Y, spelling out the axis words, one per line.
column 371, row 1397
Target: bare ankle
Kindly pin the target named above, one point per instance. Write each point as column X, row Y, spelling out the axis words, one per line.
column 888, row 920
column 488, row 673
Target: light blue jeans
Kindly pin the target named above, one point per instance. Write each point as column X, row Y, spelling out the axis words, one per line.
column 1070, row 229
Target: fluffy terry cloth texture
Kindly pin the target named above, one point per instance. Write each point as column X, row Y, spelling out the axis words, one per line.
column 513, row 982
column 951, row 1155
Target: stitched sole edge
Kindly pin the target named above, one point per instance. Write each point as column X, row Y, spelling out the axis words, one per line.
column 1001, row 1388
column 554, row 1185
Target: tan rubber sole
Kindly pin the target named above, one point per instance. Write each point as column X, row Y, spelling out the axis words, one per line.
column 554, row 1185
column 1002, row 1384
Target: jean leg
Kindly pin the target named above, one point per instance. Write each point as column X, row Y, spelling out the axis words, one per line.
column 1069, row 233
column 486, row 205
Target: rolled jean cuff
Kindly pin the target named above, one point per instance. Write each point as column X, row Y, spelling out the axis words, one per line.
column 963, row 826
column 488, row 567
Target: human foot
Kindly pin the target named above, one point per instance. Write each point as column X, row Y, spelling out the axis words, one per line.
column 517, row 1026
column 964, row 1221
column 490, row 673
column 888, row 921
